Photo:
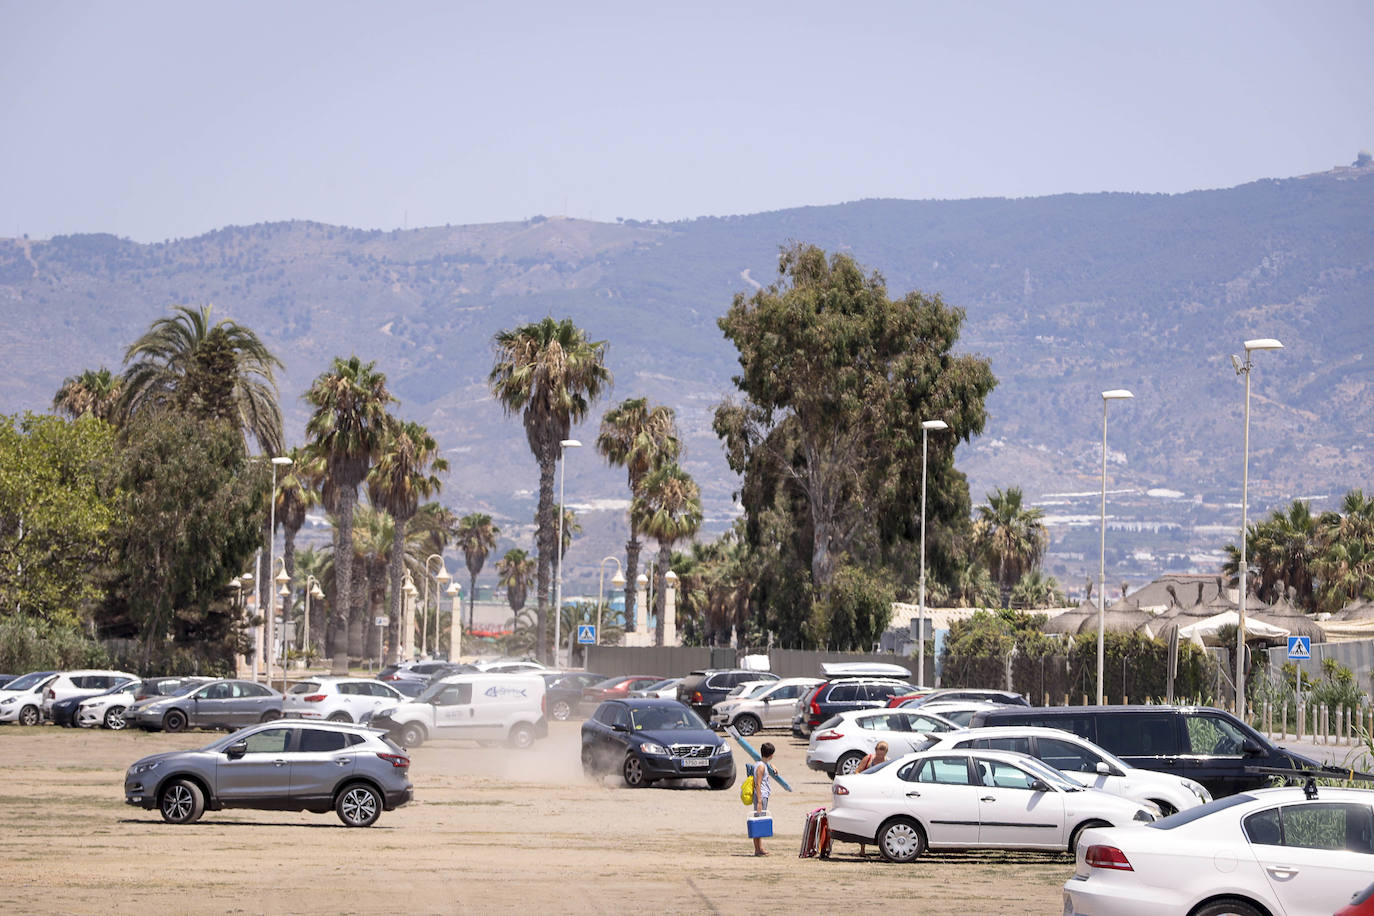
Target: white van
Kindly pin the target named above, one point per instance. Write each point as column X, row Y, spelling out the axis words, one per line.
column 470, row 707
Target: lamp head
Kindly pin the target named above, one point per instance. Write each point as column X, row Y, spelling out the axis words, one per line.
column 316, row 593
column 282, row 578
column 641, row 580
column 1263, row 343
column 570, row 443
column 934, row 424
column 247, row 577
column 670, row 577
column 618, row 580
column 1239, row 366
column 281, row 460
column 284, row 591
column 235, row 584
column 455, row 589
column 443, row 575
column 1116, row 394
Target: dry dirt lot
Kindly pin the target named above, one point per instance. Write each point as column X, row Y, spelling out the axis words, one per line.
column 491, row 829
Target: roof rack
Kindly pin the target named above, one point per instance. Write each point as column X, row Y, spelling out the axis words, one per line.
column 1309, row 777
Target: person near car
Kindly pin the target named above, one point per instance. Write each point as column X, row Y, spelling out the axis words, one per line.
column 878, row 756
column 763, row 788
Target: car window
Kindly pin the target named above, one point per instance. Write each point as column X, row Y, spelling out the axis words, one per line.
column 216, row 692
column 843, row 693
column 317, row 740
column 1314, row 825
column 620, row 716
column 269, row 741
column 1067, row 756
column 243, row 689
column 381, row 690
column 885, row 691
column 304, row 687
column 1003, row 743
column 919, row 723
column 1138, row 734
column 1002, row 775
column 1213, row 736
column 872, row 723
column 454, row 695
column 945, row 770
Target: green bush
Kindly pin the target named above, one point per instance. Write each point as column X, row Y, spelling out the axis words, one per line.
column 34, row 644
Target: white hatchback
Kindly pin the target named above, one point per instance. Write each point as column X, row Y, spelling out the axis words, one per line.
column 842, row 741
column 86, row 682
column 21, row 700
column 338, row 699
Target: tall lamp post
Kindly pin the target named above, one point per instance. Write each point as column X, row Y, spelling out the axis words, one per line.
column 455, row 621
column 269, row 651
column 424, row 606
column 1116, row 394
column 312, row 590
column 1243, row 368
column 440, row 578
column 284, row 592
column 406, row 633
column 558, row 550
column 926, row 427
column 617, row 581
column 245, row 594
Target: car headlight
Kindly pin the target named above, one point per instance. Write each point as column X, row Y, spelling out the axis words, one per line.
column 1143, row 817
column 648, row 747
column 721, row 751
column 1198, row 789
column 139, row 769
column 8, row 701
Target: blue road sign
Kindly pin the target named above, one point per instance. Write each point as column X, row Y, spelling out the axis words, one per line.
column 1299, row 648
column 586, row 634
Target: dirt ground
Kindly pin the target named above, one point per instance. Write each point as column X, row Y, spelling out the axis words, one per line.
column 491, row 829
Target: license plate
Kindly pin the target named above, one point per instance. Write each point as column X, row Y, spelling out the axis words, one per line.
column 696, row 762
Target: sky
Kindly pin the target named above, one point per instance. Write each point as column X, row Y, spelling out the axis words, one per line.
column 164, row 120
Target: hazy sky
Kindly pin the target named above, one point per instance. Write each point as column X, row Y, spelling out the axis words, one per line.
column 162, row 120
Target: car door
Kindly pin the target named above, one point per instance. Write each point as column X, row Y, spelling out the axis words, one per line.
column 1316, row 855
column 454, row 713
column 212, row 706
column 1149, row 740
column 1013, row 814
column 1215, row 754
column 263, row 772
column 321, row 760
column 251, row 703
column 1080, row 763
column 940, row 792
column 777, row 707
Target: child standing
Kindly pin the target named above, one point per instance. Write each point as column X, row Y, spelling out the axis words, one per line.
column 763, row 788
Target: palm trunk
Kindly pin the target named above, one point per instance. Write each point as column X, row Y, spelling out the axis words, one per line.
column 357, row 628
column 472, row 598
column 665, row 556
column 632, row 547
column 548, row 535
column 288, row 554
column 343, row 580
column 395, row 573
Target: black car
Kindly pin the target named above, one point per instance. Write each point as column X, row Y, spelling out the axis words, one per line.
column 63, row 712
column 1206, row 745
column 646, row 740
column 702, row 690
column 844, row 694
column 563, row 691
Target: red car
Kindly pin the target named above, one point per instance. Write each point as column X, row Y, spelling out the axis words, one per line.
column 1362, row 904
column 617, row 688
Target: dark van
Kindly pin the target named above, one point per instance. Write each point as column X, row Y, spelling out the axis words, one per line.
column 1208, row 745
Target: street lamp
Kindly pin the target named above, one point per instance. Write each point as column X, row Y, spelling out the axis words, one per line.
column 424, row 606
column 312, row 590
column 558, row 551
column 440, row 578
column 247, row 579
column 1243, row 368
column 284, row 590
column 279, row 461
column 407, row 634
column 926, row 427
column 455, row 626
column 617, row 581
column 1116, row 394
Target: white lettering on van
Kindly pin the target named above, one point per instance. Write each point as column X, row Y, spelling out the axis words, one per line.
column 505, row 692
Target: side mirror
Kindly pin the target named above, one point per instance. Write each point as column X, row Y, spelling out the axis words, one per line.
column 620, row 727
column 236, row 750
column 1106, row 769
column 1249, row 748
column 1039, row 785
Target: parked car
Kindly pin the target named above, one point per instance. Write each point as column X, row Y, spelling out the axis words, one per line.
column 63, row 712
column 968, row 800
column 1285, row 852
column 6, row 678
column 419, row 672
column 107, row 709
column 646, row 740
column 1206, row 745
column 843, row 740
column 338, row 699
column 618, row 687
column 843, row 694
column 225, row 703
column 665, row 689
column 287, row 765
column 701, row 690
column 21, row 700
column 960, row 712
column 952, row 694
column 470, row 707
column 82, row 683
column 564, row 691
column 508, row 666
column 773, row 706
column 1362, row 904
column 1082, row 761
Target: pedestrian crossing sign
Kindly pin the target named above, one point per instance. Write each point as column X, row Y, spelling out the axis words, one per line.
column 586, row 634
column 1299, row 648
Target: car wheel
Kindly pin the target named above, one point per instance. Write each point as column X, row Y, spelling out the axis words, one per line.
column 28, row 715
column 901, row 840
column 562, row 710
column 181, row 802
column 358, row 805
column 589, row 766
column 633, row 771
column 1078, row 833
column 721, row 782
column 268, row 716
column 1227, row 908
column 412, row 735
column 521, row 736
column 847, row 764
column 114, row 718
column 340, row 717
column 747, row 725
column 174, row 721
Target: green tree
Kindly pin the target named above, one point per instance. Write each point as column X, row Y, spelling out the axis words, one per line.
column 549, row 373
column 1281, row 553
column 296, row 494
column 477, row 535
column 640, row 439
column 1035, row 591
column 92, row 392
column 516, row 574
column 348, row 429
column 667, row 509
column 1344, row 566
column 1011, row 536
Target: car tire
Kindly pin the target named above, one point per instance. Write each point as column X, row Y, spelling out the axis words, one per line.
column 1227, row 908
column 29, row 715
column 633, row 773
column 412, row 734
column 901, row 840
column 181, row 802
column 848, row 763
column 358, row 805
column 174, row 721
column 721, row 782
column 561, row 710
column 747, row 725
column 1078, row 834
column 589, row 767
column 114, row 719
column 521, row 737
column 340, row 717
column 270, row 716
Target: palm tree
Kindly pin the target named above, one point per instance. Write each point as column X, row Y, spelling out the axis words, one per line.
column 640, row 439
column 549, row 372
column 347, row 428
column 92, row 392
column 320, row 564
column 515, row 573
column 213, row 370
column 972, row 587
column 667, row 509
column 297, row 492
column 1012, row 537
column 398, row 481
column 476, row 538
column 374, row 552
column 1034, row 591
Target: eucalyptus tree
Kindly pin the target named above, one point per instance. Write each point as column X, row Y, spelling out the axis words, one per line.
column 93, row 392
column 476, row 536
column 640, row 439
column 348, row 429
column 667, row 509
column 405, row 473
column 1011, row 535
column 549, row 373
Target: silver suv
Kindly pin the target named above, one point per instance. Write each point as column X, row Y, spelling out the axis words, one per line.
column 277, row 766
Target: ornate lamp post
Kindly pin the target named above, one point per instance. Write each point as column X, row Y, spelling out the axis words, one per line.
column 617, row 581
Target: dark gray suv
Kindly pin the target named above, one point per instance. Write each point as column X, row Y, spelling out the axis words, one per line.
column 277, row 766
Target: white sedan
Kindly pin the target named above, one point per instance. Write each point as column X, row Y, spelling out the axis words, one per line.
column 839, row 743
column 1268, row 851
column 971, row 799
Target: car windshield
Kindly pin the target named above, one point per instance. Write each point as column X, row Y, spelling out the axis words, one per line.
column 1049, row 774
column 433, row 690
column 28, row 680
column 665, row 718
column 662, row 685
column 184, row 689
column 608, row 683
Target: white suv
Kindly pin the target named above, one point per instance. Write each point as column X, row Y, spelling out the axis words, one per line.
column 87, row 682
column 772, row 707
column 338, row 699
column 842, row 741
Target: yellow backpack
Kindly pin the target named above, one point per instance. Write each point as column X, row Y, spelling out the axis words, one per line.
column 746, row 790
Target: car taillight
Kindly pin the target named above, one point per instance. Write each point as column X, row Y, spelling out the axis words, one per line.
column 696, row 697
column 50, row 694
column 829, row 735
column 314, row 698
column 1107, row 857
column 396, row 760
column 815, row 710
column 837, row 789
